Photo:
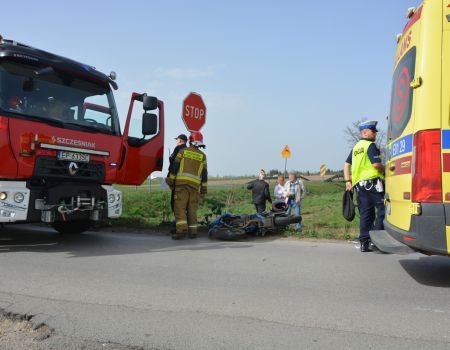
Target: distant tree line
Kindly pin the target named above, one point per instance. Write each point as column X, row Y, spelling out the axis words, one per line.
column 276, row 172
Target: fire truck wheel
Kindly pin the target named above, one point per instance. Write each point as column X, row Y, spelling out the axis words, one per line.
column 71, row 227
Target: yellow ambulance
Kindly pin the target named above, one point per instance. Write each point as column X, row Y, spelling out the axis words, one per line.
column 418, row 152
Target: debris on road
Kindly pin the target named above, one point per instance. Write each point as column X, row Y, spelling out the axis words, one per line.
column 19, row 332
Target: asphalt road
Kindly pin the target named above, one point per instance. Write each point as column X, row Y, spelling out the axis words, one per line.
column 152, row 292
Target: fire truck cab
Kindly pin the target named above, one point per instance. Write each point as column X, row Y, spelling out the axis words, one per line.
column 61, row 145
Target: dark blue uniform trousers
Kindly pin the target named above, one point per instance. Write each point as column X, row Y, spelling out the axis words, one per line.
column 368, row 200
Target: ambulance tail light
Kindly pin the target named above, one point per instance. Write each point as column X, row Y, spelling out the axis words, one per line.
column 3, row 123
column 427, row 175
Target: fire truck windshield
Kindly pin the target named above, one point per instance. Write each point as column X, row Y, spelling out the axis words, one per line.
column 42, row 93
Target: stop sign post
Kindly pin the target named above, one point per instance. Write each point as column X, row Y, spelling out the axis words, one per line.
column 194, row 112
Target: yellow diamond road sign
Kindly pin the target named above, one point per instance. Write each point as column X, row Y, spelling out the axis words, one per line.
column 286, row 152
column 323, row 170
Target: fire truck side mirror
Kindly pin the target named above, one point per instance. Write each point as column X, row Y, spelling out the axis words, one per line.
column 149, row 103
column 149, row 124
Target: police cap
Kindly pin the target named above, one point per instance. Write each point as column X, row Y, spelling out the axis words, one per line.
column 371, row 124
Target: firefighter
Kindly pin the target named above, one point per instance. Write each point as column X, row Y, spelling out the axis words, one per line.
column 188, row 178
column 364, row 172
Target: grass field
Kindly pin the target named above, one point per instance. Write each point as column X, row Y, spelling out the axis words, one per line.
column 321, row 209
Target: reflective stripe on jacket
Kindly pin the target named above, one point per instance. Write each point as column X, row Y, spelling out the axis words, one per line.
column 190, row 168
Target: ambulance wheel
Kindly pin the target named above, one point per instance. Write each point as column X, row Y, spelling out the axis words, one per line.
column 71, row 227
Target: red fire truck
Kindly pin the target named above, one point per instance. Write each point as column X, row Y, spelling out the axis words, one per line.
column 61, row 145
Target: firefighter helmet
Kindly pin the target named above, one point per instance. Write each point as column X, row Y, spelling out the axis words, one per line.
column 196, row 139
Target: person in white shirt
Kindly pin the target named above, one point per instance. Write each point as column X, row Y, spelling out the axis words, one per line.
column 279, row 192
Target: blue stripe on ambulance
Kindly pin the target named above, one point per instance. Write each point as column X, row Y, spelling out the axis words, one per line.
column 401, row 146
column 445, row 139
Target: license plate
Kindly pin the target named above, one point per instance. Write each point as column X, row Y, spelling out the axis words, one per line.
column 73, row 157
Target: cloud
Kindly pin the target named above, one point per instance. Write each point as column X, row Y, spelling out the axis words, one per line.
column 179, row 73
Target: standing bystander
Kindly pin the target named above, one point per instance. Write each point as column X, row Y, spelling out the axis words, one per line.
column 260, row 192
column 295, row 192
column 279, row 192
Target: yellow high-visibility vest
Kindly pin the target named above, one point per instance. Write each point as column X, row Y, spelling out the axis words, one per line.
column 362, row 168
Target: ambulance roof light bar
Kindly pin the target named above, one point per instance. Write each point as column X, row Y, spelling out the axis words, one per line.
column 410, row 12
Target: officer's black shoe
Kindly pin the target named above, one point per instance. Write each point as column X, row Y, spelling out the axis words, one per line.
column 365, row 246
column 175, row 236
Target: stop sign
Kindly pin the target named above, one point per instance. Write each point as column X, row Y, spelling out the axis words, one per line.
column 194, row 112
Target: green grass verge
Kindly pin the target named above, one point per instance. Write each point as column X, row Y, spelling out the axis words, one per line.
column 321, row 209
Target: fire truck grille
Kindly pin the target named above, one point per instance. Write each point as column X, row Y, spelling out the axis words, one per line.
column 52, row 168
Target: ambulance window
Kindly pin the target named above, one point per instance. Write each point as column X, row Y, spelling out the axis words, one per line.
column 402, row 95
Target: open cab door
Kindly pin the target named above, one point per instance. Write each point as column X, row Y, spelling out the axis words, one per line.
column 142, row 141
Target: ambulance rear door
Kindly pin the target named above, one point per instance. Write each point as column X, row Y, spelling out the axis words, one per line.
column 400, row 136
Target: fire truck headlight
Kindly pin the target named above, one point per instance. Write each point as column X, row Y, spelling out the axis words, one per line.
column 19, row 197
column 111, row 198
column 3, row 196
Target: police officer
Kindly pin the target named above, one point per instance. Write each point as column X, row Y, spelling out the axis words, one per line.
column 181, row 141
column 363, row 171
column 188, row 177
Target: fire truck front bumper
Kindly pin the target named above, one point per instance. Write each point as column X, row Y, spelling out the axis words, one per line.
column 21, row 202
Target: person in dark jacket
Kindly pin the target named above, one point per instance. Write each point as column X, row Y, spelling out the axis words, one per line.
column 260, row 192
column 181, row 141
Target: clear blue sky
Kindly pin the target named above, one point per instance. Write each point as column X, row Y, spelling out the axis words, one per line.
column 271, row 72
